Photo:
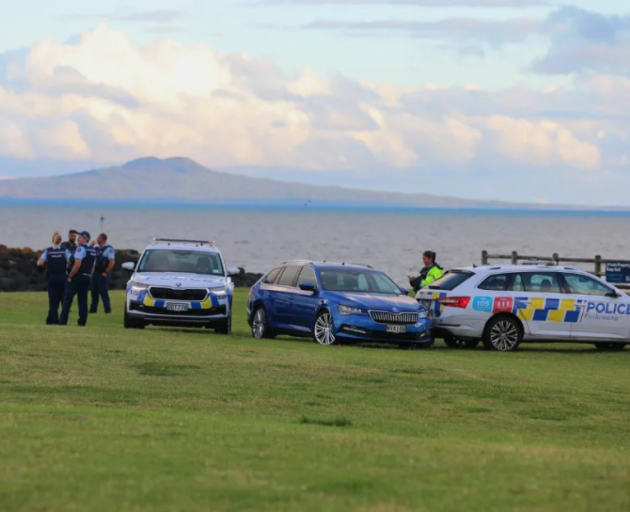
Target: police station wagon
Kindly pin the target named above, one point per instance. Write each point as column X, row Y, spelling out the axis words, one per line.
column 180, row 283
column 503, row 305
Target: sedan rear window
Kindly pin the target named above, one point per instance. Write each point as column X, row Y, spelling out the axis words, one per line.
column 450, row 280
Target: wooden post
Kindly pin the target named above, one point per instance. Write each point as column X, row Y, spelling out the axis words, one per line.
column 514, row 258
column 598, row 265
column 484, row 257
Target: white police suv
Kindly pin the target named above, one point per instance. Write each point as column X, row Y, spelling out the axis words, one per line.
column 503, row 305
column 181, row 283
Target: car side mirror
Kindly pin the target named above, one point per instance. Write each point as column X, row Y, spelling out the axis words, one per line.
column 232, row 271
column 404, row 291
column 129, row 265
column 308, row 287
column 613, row 294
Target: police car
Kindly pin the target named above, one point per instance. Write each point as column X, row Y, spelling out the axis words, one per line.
column 503, row 305
column 181, row 283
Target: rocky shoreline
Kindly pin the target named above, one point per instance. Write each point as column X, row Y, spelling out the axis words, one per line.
column 19, row 271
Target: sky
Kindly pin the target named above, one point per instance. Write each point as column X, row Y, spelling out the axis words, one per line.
column 525, row 100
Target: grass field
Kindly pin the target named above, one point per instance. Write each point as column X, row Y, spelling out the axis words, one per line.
column 104, row 419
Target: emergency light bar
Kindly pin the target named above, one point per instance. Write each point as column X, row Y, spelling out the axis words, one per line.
column 184, row 241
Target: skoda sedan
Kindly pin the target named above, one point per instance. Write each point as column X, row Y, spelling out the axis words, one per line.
column 333, row 302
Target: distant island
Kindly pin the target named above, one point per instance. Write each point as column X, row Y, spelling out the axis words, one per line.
column 184, row 181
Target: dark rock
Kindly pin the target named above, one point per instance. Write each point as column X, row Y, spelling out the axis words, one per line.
column 7, row 285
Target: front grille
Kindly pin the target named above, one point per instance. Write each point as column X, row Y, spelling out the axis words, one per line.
column 386, row 336
column 219, row 310
column 385, row 317
column 172, row 294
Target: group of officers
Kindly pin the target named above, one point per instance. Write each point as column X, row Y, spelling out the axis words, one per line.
column 74, row 268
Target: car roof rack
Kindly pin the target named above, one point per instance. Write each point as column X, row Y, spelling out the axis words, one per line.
column 358, row 264
column 183, row 241
column 540, row 263
column 341, row 264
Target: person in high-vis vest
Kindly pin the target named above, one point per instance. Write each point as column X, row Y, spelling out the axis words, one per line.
column 54, row 258
column 430, row 273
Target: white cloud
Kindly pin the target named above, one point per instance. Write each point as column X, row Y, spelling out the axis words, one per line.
column 105, row 99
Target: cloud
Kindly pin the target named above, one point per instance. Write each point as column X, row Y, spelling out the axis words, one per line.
column 579, row 40
column 584, row 41
column 464, row 30
column 514, row 4
column 160, row 16
column 102, row 98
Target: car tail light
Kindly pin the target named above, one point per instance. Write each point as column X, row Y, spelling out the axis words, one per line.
column 455, row 302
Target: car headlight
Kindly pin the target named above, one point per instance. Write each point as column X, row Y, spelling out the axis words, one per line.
column 136, row 288
column 350, row 310
column 218, row 291
column 422, row 315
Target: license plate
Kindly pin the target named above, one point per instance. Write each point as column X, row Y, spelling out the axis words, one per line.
column 396, row 329
column 177, row 307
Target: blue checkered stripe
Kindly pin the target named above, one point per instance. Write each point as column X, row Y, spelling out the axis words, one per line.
column 433, row 295
column 540, row 309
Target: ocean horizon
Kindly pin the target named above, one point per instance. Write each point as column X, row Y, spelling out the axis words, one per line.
column 300, row 204
column 257, row 237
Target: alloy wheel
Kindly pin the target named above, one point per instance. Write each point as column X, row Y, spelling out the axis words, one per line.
column 324, row 330
column 504, row 335
column 259, row 324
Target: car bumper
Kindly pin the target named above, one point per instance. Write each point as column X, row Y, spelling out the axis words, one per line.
column 365, row 329
column 152, row 314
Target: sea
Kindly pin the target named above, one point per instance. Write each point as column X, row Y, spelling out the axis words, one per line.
column 259, row 237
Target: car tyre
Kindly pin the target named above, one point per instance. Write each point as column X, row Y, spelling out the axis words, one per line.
column 503, row 333
column 453, row 342
column 323, row 329
column 130, row 323
column 225, row 326
column 610, row 347
column 260, row 325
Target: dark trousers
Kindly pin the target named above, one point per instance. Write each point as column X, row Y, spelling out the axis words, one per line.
column 79, row 286
column 56, row 288
column 100, row 289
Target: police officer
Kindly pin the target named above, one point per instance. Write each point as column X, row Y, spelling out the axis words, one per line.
column 105, row 261
column 79, row 279
column 430, row 273
column 71, row 243
column 70, row 246
column 56, row 277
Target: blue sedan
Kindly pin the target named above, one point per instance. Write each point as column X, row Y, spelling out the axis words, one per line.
column 332, row 302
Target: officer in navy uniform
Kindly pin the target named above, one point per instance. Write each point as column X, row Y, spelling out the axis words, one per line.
column 56, row 276
column 105, row 261
column 70, row 245
column 79, row 279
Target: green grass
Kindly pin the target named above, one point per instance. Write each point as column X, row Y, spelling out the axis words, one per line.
column 104, row 419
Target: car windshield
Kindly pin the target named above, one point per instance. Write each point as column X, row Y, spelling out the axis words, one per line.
column 184, row 261
column 357, row 281
column 450, row 280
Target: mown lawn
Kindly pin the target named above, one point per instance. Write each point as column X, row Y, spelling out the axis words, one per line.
column 104, row 419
